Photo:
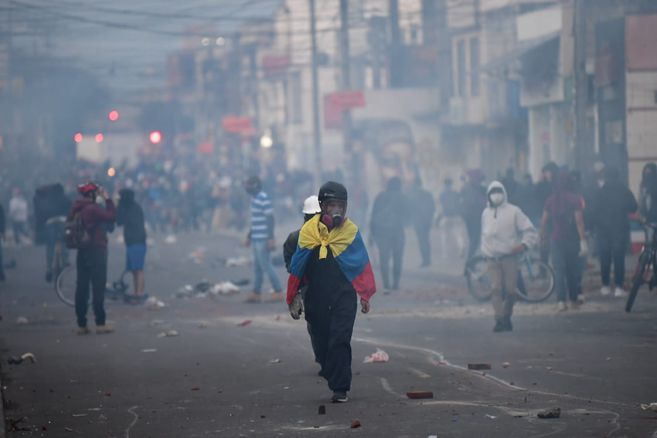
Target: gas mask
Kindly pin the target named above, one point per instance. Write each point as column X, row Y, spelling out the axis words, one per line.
column 496, row 198
column 333, row 221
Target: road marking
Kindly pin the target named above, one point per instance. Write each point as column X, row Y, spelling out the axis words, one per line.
column 421, row 374
column 134, row 421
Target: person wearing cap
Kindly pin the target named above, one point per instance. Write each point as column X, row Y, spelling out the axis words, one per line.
column 91, row 261
column 331, row 259
column 261, row 239
column 310, row 209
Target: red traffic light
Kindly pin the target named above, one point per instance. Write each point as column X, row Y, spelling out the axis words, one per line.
column 113, row 116
column 100, row 137
column 78, row 137
column 155, row 137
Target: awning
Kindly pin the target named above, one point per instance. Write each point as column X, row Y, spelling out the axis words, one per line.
column 519, row 51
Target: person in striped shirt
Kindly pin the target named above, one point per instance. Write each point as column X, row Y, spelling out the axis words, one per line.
column 261, row 240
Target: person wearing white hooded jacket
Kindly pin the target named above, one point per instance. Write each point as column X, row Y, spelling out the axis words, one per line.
column 506, row 232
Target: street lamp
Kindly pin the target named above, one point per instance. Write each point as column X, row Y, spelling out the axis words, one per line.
column 266, row 141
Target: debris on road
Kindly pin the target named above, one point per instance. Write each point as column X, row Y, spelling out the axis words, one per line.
column 649, row 407
column 21, row 320
column 168, row 334
column 355, row 424
column 170, row 239
column 195, row 388
column 379, row 356
column 506, row 365
column 242, row 282
column 154, row 304
column 273, row 361
column 14, row 425
column 417, row 395
column 236, row 262
column 225, row 288
column 149, row 350
column 479, row 366
column 13, row 360
column 492, row 417
column 244, row 323
column 321, row 410
column 549, row 413
column 198, row 255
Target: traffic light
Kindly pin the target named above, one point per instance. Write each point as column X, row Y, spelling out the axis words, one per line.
column 100, row 137
column 113, row 116
column 78, row 137
column 155, row 137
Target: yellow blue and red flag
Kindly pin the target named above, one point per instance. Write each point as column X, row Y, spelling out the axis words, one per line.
column 348, row 249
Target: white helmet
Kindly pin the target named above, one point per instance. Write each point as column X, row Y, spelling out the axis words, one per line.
column 311, row 205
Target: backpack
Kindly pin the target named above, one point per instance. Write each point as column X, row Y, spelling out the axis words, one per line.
column 76, row 235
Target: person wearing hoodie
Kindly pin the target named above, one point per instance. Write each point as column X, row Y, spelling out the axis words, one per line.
column 648, row 193
column 91, row 261
column 563, row 220
column 387, row 224
column 130, row 216
column 506, row 232
column 612, row 205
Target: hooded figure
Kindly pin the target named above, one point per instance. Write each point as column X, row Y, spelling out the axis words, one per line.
column 389, row 217
column 131, row 216
column 506, row 232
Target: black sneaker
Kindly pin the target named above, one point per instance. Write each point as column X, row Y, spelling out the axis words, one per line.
column 499, row 326
column 507, row 324
column 339, row 397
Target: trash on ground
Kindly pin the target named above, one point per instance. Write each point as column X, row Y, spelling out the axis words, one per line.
column 203, row 287
column 234, row 262
column 149, row 350
column 198, row 255
column 649, row 407
column 154, row 303
column 225, row 288
column 506, row 365
column 13, row 360
column 21, row 320
column 550, row 413
column 195, row 388
column 244, row 323
column 242, row 282
column 277, row 360
column 321, row 410
column 492, row 417
column 416, row 395
column 355, row 424
column 379, row 356
column 479, row 366
column 168, row 334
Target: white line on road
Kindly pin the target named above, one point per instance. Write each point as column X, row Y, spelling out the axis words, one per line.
column 134, row 421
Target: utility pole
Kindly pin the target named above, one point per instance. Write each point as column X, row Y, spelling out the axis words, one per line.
column 317, row 139
column 582, row 142
column 395, row 61
column 346, row 84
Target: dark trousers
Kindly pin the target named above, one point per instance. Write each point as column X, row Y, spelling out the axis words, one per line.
column 423, row 232
column 611, row 248
column 566, row 263
column 92, row 271
column 473, row 228
column 332, row 327
column 391, row 247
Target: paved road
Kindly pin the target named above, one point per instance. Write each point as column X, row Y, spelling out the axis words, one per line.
column 219, row 378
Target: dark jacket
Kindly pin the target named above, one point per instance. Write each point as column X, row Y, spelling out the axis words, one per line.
column 130, row 216
column 612, row 205
column 648, row 193
column 94, row 217
column 390, row 211
column 422, row 207
column 473, row 198
column 49, row 202
column 289, row 247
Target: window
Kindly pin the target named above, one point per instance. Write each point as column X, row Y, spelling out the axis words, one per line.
column 474, row 66
column 460, row 72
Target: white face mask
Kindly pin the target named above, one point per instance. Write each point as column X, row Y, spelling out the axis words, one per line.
column 496, row 198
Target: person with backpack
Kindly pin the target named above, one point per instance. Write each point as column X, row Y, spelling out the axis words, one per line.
column 86, row 231
column 563, row 220
column 130, row 216
column 387, row 226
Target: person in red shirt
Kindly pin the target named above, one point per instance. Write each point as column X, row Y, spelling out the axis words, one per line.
column 91, row 260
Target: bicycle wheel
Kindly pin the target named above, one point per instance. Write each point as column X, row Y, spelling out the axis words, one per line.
column 637, row 281
column 65, row 285
column 535, row 281
column 476, row 274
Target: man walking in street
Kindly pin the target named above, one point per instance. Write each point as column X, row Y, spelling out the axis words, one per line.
column 18, row 215
column 130, row 216
column 91, row 258
column 422, row 209
column 332, row 258
column 506, row 233
column 387, row 224
column 564, row 219
column 612, row 205
column 261, row 239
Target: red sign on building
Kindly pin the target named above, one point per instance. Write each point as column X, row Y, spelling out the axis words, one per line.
column 237, row 125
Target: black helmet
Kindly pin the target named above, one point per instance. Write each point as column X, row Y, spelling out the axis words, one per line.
column 332, row 190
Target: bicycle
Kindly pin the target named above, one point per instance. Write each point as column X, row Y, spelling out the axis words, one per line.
column 647, row 266
column 66, row 281
column 60, row 255
column 535, row 279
